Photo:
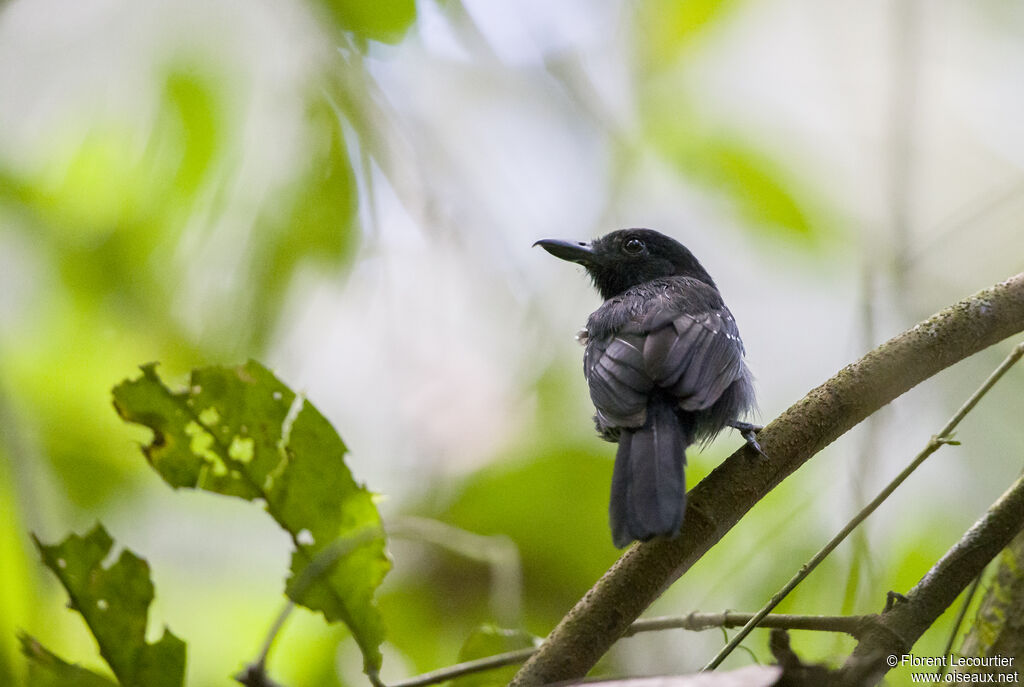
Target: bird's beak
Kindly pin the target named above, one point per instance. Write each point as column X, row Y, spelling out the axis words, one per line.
column 573, row 251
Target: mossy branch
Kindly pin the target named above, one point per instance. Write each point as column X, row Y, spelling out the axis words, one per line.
column 998, row 628
column 901, row 625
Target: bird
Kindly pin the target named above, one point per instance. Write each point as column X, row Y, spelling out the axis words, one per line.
column 664, row 363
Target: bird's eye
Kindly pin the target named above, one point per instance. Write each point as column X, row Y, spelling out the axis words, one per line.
column 633, row 246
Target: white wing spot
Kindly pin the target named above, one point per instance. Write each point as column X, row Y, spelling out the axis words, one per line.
column 627, row 343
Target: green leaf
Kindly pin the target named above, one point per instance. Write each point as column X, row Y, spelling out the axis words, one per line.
column 759, row 189
column 239, row 431
column 324, row 204
column 668, row 28
column 108, row 191
column 191, row 118
column 312, row 222
column 379, row 20
column 763, row 193
column 114, row 603
column 46, row 669
column 490, row 640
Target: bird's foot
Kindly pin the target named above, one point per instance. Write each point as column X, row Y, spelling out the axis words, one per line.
column 749, row 433
column 891, row 599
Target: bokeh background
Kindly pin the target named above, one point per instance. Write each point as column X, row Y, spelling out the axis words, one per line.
column 348, row 191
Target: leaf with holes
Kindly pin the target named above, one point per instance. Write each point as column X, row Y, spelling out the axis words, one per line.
column 239, row 431
column 114, row 602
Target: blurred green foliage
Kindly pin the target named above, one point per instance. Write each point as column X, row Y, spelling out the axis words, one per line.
column 378, row 20
column 142, row 240
column 671, row 29
column 768, row 198
column 129, row 225
column 111, row 218
column 18, row 588
column 315, row 224
column 554, row 507
column 490, row 640
column 763, row 194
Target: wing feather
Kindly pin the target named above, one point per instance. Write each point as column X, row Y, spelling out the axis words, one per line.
column 619, row 387
column 693, row 353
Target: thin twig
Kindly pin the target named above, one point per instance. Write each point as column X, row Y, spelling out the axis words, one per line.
column 868, row 450
column 945, row 436
column 898, row 628
column 903, row 113
column 476, row 666
column 275, row 629
column 254, row 674
column 967, row 217
column 848, row 624
column 852, row 625
column 498, row 552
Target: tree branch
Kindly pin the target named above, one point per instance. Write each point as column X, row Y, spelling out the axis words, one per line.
column 477, row 665
column 945, row 436
column 998, row 627
column 854, row 625
column 716, row 504
column 900, row 626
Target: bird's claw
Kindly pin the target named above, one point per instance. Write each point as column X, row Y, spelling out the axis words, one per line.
column 891, row 599
column 749, row 434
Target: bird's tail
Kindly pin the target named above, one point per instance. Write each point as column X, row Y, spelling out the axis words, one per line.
column 648, row 484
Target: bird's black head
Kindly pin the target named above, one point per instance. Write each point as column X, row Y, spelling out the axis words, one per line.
column 628, row 257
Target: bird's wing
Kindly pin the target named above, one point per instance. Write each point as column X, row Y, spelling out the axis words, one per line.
column 619, row 383
column 694, row 356
column 678, row 337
